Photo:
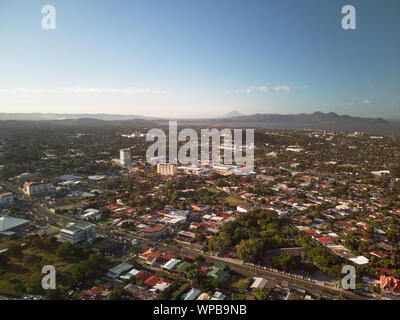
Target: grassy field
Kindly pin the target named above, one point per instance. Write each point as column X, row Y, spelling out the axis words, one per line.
column 242, row 284
column 21, row 270
column 235, row 200
column 105, row 221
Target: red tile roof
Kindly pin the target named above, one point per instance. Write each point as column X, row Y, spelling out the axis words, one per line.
column 151, row 281
column 379, row 254
column 96, row 293
column 143, row 275
column 390, row 285
column 156, row 228
column 325, row 239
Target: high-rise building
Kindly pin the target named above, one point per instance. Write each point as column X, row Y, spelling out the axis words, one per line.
column 166, row 169
column 125, row 157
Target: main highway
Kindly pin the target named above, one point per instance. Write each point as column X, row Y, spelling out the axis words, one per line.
column 247, row 270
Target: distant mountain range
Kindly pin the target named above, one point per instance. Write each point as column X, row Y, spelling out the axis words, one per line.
column 318, row 117
column 316, row 120
column 65, row 116
column 99, row 116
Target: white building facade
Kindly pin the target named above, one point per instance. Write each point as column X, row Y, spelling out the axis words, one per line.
column 125, row 157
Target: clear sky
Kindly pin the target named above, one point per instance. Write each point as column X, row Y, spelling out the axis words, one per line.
column 199, row 58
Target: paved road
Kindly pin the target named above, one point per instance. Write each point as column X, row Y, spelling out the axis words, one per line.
column 247, row 270
column 334, row 293
column 316, row 288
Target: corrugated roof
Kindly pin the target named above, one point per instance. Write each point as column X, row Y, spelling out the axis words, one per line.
column 7, row 223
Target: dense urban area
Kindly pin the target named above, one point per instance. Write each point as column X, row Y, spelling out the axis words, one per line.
column 85, row 200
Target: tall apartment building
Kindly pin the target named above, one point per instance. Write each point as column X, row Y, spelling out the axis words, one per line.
column 166, row 169
column 78, row 232
column 37, row 188
column 125, row 157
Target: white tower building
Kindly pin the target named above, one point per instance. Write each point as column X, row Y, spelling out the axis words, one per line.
column 125, row 157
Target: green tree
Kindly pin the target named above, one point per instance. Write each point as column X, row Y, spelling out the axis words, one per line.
column 260, row 293
column 285, row 261
column 117, row 294
column 250, row 250
column 3, row 260
column 238, row 296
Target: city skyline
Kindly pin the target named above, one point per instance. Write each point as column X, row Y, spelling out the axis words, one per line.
column 182, row 59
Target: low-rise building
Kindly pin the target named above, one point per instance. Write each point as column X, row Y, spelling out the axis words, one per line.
column 203, row 296
column 155, row 232
column 129, row 274
column 390, row 285
column 78, row 232
column 26, row 176
column 191, row 294
column 218, row 296
column 193, row 170
column 138, row 292
column 218, row 273
column 6, row 199
column 171, row 264
column 91, row 214
column 9, row 224
column 258, row 283
column 96, row 293
column 172, row 220
column 294, row 149
column 119, row 270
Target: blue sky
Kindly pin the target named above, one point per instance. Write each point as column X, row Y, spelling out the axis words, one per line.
column 198, row 58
